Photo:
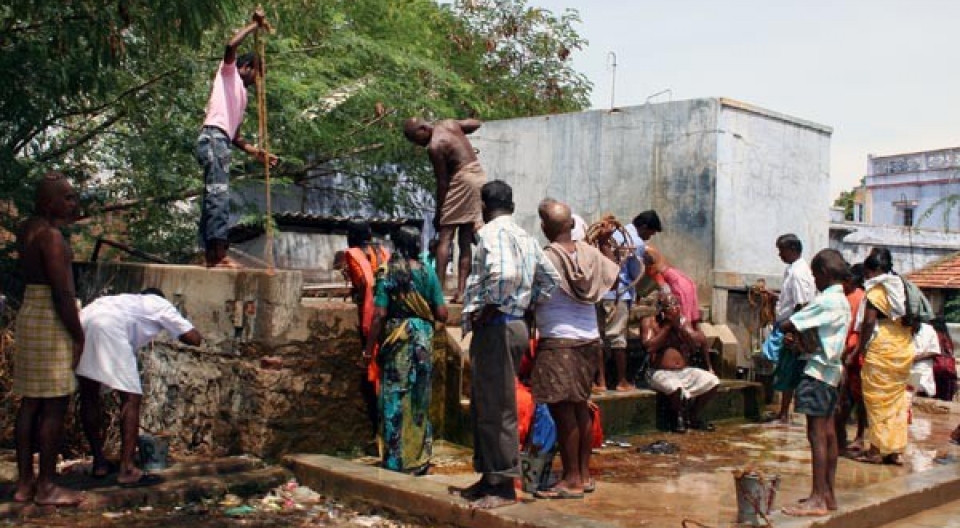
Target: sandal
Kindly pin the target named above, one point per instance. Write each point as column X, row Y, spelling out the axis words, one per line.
column 558, row 493
column 590, row 486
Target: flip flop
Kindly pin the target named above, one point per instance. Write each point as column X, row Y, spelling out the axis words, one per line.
column 492, row 501
column 81, row 497
column 590, row 486
column 558, row 493
column 146, row 479
column 801, row 511
column 869, row 459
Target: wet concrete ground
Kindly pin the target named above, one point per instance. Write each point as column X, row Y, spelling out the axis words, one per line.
column 634, row 489
column 697, row 483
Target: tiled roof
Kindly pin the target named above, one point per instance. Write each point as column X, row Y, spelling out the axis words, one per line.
column 941, row 274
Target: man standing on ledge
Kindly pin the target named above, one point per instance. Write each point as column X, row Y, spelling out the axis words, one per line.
column 225, row 109
column 459, row 178
column 509, row 274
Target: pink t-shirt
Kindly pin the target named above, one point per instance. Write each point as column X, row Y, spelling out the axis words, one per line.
column 228, row 100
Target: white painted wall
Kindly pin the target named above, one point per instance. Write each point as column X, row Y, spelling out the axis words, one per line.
column 773, row 178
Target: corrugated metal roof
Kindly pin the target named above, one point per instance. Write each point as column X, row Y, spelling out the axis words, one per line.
column 943, row 274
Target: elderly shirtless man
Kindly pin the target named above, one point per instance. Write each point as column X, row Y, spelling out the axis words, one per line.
column 671, row 340
column 49, row 342
column 459, row 179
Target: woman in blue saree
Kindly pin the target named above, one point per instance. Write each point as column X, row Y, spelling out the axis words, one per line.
column 408, row 302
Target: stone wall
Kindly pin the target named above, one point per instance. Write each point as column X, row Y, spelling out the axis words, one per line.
column 275, row 374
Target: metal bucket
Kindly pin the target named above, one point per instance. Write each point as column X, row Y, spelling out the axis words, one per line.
column 153, row 452
column 755, row 495
column 535, row 469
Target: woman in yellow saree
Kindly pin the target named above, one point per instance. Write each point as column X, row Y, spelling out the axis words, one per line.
column 888, row 357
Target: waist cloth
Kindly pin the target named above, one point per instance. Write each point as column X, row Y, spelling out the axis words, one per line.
column 43, row 357
column 563, row 370
column 462, row 203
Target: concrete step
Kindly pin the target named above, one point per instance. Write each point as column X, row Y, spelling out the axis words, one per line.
column 187, row 481
column 642, row 410
column 419, row 497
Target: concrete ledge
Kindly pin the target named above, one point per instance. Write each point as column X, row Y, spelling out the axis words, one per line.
column 886, row 502
column 642, row 410
column 419, row 497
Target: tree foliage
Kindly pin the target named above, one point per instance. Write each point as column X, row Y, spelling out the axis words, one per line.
column 113, row 94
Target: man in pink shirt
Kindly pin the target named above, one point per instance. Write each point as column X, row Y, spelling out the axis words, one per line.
column 225, row 109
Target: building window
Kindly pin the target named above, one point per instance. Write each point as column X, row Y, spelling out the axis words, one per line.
column 858, row 213
column 908, row 216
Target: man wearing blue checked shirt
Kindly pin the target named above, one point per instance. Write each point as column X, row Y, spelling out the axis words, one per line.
column 509, row 274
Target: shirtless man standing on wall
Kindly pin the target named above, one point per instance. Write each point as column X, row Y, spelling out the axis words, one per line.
column 459, row 179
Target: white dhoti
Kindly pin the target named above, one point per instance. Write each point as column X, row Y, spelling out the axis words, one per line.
column 692, row 381
column 107, row 354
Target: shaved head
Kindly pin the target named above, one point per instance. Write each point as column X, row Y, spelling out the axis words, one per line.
column 50, row 191
column 417, row 131
column 556, row 220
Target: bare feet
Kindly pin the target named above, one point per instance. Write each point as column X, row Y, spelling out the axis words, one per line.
column 623, row 386
column 805, row 509
column 51, row 495
column 225, row 263
column 598, row 389
column 25, row 492
column 856, row 445
column 129, row 477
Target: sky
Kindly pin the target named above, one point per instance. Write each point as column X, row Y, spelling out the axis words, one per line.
column 883, row 74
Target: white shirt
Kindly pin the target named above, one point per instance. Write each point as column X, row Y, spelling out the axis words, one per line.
column 115, row 327
column 579, row 231
column 798, row 288
column 921, row 373
column 562, row 316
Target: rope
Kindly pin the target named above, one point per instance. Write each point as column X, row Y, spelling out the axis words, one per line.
column 263, row 143
column 600, row 235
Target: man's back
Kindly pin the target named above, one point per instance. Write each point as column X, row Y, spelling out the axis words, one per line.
column 142, row 317
column 450, row 143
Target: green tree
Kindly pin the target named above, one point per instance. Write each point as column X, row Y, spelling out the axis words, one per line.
column 113, row 94
column 846, row 200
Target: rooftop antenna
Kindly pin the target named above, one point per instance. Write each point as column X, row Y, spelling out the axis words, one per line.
column 612, row 62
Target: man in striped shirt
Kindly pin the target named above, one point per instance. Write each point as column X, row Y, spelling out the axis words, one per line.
column 509, row 274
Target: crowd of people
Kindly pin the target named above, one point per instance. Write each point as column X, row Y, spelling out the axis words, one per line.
column 850, row 341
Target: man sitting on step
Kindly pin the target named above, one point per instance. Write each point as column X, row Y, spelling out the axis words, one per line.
column 672, row 341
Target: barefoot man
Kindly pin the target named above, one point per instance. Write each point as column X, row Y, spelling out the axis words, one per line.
column 459, row 179
column 221, row 127
column 49, row 342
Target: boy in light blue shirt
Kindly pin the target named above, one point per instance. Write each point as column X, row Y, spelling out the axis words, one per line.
column 821, row 328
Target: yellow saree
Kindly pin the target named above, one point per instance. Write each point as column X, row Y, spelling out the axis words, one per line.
column 886, row 368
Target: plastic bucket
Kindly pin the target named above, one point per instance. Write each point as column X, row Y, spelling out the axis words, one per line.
column 535, row 469
column 755, row 495
column 153, row 452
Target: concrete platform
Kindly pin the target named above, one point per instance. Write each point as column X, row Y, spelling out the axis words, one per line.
column 696, row 484
column 188, row 480
column 644, row 411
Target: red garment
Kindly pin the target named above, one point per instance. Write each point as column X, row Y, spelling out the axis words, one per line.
column 361, row 263
column 525, row 411
column 854, row 383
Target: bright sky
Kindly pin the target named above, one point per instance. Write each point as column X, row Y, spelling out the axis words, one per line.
column 884, row 74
